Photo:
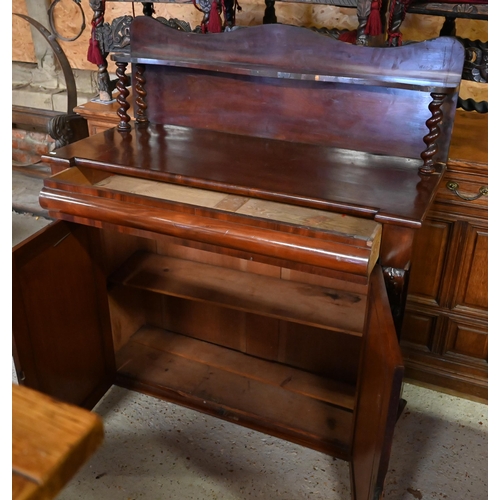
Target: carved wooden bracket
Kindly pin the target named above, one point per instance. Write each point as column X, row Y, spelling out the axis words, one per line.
column 396, row 282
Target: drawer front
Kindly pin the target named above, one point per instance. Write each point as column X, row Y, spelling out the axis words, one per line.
column 462, row 190
column 270, row 229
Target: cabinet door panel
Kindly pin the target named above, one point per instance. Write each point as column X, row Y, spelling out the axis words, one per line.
column 419, row 330
column 428, row 260
column 58, row 320
column 467, row 339
column 472, row 291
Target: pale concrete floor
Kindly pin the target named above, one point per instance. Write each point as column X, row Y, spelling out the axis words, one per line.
column 156, row 450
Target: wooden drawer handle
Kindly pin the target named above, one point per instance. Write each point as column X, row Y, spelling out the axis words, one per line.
column 453, row 187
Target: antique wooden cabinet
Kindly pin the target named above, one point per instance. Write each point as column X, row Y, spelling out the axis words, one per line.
column 444, row 336
column 243, row 246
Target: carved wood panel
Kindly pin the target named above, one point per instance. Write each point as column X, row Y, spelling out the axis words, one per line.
column 467, row 339
column 472, row 290
column 419, row 329
column 429, row 258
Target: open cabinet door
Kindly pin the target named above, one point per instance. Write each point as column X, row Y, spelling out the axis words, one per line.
column 378, row 398
column 60, row 323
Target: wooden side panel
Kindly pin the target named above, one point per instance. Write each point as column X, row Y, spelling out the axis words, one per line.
column 379, row 388
column 60, row 327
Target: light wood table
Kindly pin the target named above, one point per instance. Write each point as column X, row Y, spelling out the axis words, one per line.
column 50, row 442
column 101, row 116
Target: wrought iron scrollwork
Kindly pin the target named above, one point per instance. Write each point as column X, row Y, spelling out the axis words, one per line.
column 177, row 24
column 50, row 13
column 66, row 127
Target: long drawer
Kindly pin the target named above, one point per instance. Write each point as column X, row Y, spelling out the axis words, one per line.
column 298, row 234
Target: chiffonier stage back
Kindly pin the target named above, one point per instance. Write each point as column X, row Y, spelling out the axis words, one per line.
column 243, row 246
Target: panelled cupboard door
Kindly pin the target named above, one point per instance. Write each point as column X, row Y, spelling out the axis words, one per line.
column 471, row 293
column 445, row 330
column 60, row 324
column 429, row 260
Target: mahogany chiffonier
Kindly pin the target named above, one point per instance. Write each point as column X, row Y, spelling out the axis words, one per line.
column 243, row 246
column 444, row 336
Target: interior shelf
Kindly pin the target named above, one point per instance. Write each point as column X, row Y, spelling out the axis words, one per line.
column 311, row 305
column 260, row 394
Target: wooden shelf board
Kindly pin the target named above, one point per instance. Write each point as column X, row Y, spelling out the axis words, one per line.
column 277, row 298
column 260, row 394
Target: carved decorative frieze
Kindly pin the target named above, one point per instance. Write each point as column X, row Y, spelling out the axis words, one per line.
column 476, row 60
column 114, row 37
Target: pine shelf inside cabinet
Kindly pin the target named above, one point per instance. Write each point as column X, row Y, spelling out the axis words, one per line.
column 265, row 395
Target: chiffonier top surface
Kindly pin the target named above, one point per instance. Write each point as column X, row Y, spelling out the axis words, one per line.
column 356, row 183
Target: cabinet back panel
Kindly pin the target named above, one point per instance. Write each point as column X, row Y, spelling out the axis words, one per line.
column 331, row 354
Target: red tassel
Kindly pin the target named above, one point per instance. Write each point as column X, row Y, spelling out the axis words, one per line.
column 214, row 24
column 94, row 52
column 348, row 36
column 374, row 23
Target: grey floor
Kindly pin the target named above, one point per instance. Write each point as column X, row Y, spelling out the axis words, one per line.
column 154, row 450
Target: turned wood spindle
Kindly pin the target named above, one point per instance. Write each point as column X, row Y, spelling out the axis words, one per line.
column 141, row 116
column 124, row 125
column 434, row 132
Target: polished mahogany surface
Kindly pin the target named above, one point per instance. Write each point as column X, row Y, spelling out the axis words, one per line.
column 299, row 52
column 374, row 186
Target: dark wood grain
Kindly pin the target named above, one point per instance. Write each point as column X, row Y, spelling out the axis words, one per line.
column 331, row 255
column 302, row 51
column 72, row 360
column 379, row 391
column 445, row 331
column 285, row 116
column 296, row 110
